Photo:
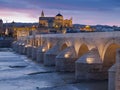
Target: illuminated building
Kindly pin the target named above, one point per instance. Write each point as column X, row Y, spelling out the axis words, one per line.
column 54, row 22
column 87, row 28
column 23, row 31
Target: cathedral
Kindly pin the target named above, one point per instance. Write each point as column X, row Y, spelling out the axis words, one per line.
column 54, row 22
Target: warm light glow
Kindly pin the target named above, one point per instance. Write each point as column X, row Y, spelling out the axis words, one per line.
column 43, row 50
column 27, row 45
column 56, row 26
column 87, row 26
column 67, row 55
column 6, row 31
column 48, row 45
column 90, row 60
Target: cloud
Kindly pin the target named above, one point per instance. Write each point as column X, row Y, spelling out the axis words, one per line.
column 82, row 11
column 100, row 5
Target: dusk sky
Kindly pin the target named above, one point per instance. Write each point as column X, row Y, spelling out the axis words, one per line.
column 90, row 12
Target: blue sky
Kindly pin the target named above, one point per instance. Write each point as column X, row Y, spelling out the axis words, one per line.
column 90, row 12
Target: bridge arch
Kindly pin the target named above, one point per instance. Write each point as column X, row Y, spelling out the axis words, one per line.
column 50, row 45
column 110, row 55
column 107, row 44
column 82, row 50
column 65, row 44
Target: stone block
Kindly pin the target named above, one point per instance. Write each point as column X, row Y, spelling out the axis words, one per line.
column 34, row 53
column 49, row 59
column 65, row 61
column 40, row 56
column 111, row 78
column 25, row 50
column 88, row 67
column 50, row 56
column 29, row 51
column 65, row 64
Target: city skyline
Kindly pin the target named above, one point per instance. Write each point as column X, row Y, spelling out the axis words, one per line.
column 105, row 12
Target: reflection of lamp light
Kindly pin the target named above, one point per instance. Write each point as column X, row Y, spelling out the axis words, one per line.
column 43, row 50
column 67, row 55
column 90, row 60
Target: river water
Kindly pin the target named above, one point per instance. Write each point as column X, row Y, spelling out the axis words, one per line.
column 96, row 85
column 17, row 72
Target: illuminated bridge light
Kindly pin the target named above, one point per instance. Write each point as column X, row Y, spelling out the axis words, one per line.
column 90, row 60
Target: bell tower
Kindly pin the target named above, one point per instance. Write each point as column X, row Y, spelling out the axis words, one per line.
column 42, row 13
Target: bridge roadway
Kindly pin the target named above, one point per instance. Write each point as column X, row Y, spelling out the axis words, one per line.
column 17, row 72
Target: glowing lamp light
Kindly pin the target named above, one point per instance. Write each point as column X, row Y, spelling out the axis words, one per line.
column 27, row 46
column 90, row 60
column 48, row 45
column 67, row 55
column 87, row 26
column 43, row 50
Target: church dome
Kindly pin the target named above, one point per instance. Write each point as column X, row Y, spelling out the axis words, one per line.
column 58, row 14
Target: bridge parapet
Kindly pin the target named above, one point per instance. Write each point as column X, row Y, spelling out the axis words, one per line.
column 65, row 60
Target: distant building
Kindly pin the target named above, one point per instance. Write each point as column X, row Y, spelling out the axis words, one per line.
column 1, row 26
column 57, row 22
column 23, row 31
column 87, row 28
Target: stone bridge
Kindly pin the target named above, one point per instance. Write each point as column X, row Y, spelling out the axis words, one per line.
column 90, row 55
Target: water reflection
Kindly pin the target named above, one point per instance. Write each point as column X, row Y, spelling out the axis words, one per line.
column 96, row 85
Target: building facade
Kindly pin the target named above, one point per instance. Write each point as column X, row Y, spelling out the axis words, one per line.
column 54, row 22
column 23, row 31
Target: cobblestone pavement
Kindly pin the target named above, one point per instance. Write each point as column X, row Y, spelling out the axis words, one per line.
column 17, row 72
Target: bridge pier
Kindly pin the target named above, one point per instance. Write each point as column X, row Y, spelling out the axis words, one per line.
column 34, row 52
column 111, row 78
column 29, row 51
column 16, row 48
column 14, row 45
column 117, row 74
column 65, row 61
column 88, row 66
column 50, row 56
column 21, row 48
column 40, row 53
column 25, row 49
